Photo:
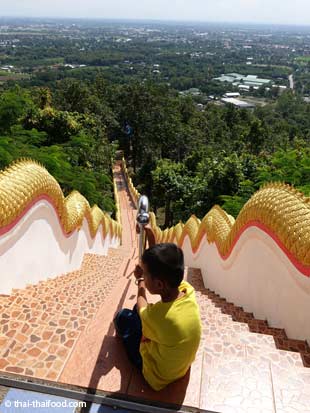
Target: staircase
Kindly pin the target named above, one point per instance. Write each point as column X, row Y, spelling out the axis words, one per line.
column 61, row 330
column 243, row 371
column 41, row 324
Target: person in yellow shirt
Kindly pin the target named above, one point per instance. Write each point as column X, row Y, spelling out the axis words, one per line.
column 161, row 339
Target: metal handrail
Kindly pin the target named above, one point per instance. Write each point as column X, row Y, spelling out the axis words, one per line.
column 143, row 218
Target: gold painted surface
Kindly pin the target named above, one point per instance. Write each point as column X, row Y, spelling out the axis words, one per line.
column 133, row 191
column 280, row 208
column 25, row 181
column 118, row 210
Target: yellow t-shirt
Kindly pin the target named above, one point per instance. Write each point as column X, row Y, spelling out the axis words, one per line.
column 172, row 331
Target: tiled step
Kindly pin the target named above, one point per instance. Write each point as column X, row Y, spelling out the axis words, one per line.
column 49, row 299
column 278, row 357
column 261, row 334
column 244, row 371
column 229, row 334
column 60, row 289
column 291, row 389
column 40, row 344
column 236, row 384
column 106, row 367
column 40, row 325
column 89, row 265
column 71, row 339
column 220, row 327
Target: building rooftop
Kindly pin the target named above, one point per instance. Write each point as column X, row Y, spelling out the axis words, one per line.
column 238, row 103
column 236, row 79
column 231, row 95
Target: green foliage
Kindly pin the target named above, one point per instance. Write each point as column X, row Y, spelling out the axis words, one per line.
column 232, row 204
column 7, row 153
column 219, row 156
column 71, row 145
column 186, row 160
column 168, row 186
column 175, row 189
column 13, row 105
column 60, row 126
column 292, row 167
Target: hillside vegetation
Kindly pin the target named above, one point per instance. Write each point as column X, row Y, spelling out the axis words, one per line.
column 186, row 160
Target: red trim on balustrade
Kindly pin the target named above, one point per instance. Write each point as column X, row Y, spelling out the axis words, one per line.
column 10, row 226
column 305, row 270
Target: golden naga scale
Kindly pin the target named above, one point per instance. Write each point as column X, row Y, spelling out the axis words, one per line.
column 26, row 181
column 279, row 208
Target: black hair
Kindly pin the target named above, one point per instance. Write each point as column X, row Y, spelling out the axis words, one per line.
column 166, row 262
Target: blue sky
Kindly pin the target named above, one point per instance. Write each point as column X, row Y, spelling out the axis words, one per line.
column 273, row 11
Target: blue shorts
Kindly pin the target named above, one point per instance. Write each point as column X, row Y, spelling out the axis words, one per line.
column 129, row 328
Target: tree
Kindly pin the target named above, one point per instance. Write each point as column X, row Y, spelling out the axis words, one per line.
column 256, row 136
column 168, row 186
column 14, row 104
column 292, row 167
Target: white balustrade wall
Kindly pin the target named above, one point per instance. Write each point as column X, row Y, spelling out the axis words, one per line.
column 258, row 276
column 37, row 248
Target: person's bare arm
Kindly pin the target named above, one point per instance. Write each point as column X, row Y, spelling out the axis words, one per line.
column 141, row 296
column 150, row 236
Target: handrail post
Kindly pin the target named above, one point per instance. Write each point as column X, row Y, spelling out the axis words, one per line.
column 143, row 218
